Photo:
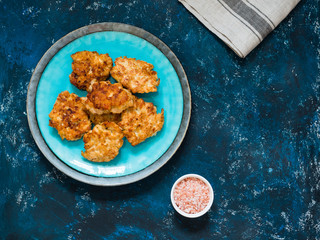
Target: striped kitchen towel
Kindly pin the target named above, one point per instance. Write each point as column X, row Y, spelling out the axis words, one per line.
column 241, row 24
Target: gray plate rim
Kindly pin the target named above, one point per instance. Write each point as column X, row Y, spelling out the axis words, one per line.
column 32, row 90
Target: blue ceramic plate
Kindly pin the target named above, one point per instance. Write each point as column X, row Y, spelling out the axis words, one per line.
column 55, row 79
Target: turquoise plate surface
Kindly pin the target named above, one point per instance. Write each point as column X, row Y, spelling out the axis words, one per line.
column 55, row 79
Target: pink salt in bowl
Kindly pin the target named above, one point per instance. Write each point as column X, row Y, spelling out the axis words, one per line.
column 192, row 196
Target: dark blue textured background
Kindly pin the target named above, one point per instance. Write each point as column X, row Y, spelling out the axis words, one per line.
column 254, row 131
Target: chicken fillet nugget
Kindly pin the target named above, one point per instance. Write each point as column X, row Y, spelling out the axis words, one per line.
column 89, row 67
column 68, row 117
column 106, row 117
column 141, row 121
column 103, row 142
column 98, row 116
column 109, row 97
column 136, row 75
column 90, row 107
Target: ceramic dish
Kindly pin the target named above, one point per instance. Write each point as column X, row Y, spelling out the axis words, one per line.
column 205, row 210
column 51, row 77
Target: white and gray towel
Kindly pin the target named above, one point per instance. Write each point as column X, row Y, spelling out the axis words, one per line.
column 241, row 24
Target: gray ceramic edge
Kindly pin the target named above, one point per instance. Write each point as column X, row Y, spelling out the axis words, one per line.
column 31, row 96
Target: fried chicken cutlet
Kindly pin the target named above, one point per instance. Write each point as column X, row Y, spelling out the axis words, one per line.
column 103, row 142
column 89, row 67
column 106, row 117
column 109, row 97
column 68, row 116
column 136, row 75
column 97, row 115
column 141, row 121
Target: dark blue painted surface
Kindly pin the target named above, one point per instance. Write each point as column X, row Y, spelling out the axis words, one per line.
column 254, row 132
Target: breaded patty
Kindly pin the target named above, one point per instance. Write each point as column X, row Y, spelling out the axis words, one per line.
column 106, row 117
column 109, row 97
column 141, row 121
column 98, row 116
column 103, row 142
column 89, row 67
column 136, row 75
column 68, row 116
column 90, row 107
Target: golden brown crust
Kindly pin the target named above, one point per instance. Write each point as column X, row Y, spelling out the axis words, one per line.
column 136, row 75
column 89, row 67
column 103, row 142
column 106, row 117
column 97, row 115
column 109, row 97
column 90, row 107
column 68, row 117
column 141, row 121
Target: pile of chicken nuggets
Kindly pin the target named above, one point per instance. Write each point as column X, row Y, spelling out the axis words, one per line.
column 112, row 108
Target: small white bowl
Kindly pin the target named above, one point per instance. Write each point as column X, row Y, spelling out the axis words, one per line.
column 195, row 215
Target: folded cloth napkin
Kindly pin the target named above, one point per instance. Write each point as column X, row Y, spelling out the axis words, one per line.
column 241, row 24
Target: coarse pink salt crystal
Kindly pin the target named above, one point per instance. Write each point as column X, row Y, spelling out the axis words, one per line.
column 191, row 195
